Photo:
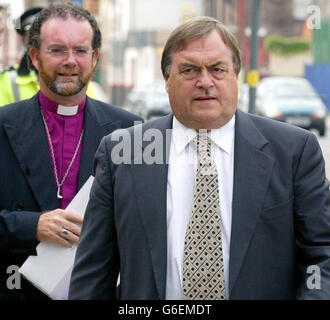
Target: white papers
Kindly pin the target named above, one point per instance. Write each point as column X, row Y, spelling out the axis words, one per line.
column 50, row 270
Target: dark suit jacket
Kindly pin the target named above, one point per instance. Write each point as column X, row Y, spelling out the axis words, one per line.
column 280, row 219
column 27, row 184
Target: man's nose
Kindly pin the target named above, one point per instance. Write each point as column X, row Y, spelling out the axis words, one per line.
column 205, row 80
column 70, row 58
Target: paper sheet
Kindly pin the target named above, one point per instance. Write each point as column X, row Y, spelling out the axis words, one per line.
column 50, row 270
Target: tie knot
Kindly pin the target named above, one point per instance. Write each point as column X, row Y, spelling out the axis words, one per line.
column 202, row 143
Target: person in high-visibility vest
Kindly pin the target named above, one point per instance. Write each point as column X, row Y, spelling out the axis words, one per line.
column 19, row 82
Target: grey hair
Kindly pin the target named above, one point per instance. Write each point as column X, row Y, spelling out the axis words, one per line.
column 194, row 29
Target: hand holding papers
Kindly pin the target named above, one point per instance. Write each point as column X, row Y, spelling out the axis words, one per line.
column 50, row 270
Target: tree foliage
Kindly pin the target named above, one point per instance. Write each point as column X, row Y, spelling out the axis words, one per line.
column 286, row 46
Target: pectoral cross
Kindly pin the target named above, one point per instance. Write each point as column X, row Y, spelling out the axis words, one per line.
column 58, row 194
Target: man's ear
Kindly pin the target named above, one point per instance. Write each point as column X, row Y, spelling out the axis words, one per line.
column 34, row 55
column 166, row 84
column 95, row 57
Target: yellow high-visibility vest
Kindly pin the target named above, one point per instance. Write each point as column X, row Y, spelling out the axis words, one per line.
column 91, row 92
column 14, row 87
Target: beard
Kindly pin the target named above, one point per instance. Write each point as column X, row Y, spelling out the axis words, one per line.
column 64, row 87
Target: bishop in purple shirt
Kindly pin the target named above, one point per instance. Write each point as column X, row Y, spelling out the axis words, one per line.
column 48, row 142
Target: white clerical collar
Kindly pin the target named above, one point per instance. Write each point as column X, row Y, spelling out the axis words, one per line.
column 67, row 111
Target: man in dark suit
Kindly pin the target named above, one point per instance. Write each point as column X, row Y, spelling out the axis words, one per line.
column 153, row 214
column 48, row 142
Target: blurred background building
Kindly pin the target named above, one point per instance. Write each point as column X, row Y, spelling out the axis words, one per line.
column 294, row 35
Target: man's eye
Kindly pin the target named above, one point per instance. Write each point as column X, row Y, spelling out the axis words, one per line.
column 56, row 51
column 189, row 72
column 218, row 70
column 81, row 51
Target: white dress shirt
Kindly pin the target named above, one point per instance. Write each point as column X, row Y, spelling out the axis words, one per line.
column 180, row 191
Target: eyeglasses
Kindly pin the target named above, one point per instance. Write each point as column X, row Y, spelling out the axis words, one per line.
column 61, row 53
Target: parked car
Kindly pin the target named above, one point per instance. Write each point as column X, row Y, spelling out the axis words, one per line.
column 149, row 102
column 292, row 100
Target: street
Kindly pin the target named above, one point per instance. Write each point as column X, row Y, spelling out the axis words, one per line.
column 325, row 145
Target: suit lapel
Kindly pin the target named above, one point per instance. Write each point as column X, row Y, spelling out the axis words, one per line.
column 150, row 185
column 29, row 142
column 92, row 137
column 252, row 171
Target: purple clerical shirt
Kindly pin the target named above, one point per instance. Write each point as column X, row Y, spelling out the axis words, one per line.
column 65, row 131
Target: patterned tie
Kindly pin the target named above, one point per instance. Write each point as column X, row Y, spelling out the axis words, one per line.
column 203, row 275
